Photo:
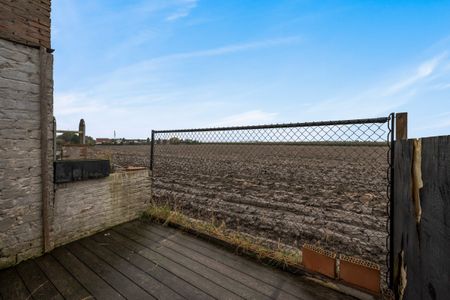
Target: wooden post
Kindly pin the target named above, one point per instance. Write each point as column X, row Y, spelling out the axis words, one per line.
column 401, row 133
column 54, row 139
column 401, row 126
column 44, row 124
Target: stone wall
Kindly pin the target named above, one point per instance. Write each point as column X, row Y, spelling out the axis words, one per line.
column 73, row 152
column 26, row 22
column 32, row 218
column 78, row 209
column 85, row 207
column 21, row 93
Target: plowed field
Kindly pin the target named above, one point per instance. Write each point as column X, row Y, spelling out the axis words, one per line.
column 334, row 196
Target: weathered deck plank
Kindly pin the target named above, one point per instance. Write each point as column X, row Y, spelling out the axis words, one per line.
column 213, row 264
column 149, row 261
column 152, row 286
column 68, row 286
column 153, row 270
column 214, row 275
column 193, row 278
column 12, row 286
column 121, row 283
column 91, row 281
column 279, row 280
column 36, row 281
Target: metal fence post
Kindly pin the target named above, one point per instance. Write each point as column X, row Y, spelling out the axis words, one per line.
column 152, row 149
column 392, row 204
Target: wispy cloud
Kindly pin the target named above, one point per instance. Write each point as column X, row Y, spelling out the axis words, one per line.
column 142, row 64
column 425, row 70
column 386, row 97
column 161, row 61
column 169, row 10
column 149, row 75
column 184, row 9
column 223, row 50
column 74, row 103
column 229, row 49
column 247, row 118
column 441, row 86
column 137, row 40
column 439, row 121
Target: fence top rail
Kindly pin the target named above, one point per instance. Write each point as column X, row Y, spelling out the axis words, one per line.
column 68, row 131
column 285, row 125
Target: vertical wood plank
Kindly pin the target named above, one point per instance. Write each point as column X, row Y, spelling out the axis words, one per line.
column 403, row 210
column 425, row 244
column 401, row 126
column 435, row 222
column 54, row 138
column 44, row 122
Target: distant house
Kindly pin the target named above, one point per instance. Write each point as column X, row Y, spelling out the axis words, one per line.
column 99, row 141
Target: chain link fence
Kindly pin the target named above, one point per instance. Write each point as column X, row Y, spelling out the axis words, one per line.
column 322, row 183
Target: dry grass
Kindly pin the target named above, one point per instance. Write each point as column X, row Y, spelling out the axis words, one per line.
column 241, row 242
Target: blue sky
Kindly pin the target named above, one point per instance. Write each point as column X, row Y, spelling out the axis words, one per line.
column 133, row 66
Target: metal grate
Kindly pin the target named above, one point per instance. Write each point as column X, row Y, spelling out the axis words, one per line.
column 322, row 183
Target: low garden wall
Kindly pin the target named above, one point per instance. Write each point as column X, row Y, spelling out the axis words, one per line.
column 85, row 207
column 78, row 209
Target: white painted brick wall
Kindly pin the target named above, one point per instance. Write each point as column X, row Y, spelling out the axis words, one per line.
column 20, row 161
column 78, row 209
column 85, row 207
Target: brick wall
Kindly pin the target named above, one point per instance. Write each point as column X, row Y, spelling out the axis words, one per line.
column 26, row 107
column 25, row 21
column 20, row 149
column 85, row 207
column 26, row 92
column 79, row 152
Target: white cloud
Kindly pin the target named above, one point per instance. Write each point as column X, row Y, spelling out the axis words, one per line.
column 148, row 81
column 439, row 121
column 229, row 49
column 75, row 103
column 219, row 51
column 424, row 70
column 137, row 40
column 247, row 118
column 384, row 98
column 150, row 78
column 184, row 9
column 441, row 86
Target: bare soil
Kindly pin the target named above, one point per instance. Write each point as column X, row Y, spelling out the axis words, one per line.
column 333, row 196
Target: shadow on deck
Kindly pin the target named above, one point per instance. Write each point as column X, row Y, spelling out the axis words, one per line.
column 145, row 261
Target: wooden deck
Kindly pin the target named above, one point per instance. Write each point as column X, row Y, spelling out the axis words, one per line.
column 148, row 261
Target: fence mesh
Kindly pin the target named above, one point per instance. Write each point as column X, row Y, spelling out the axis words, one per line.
column 321, row 183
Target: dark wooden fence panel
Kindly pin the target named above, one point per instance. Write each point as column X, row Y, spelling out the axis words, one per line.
column 426, row 244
